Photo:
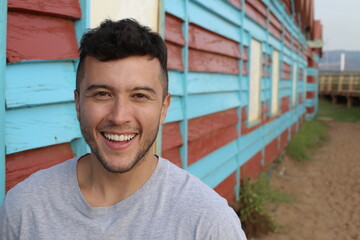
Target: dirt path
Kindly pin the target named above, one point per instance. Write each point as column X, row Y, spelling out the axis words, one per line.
column 326, row 190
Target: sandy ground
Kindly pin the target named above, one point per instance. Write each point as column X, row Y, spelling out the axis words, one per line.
column 326, row 190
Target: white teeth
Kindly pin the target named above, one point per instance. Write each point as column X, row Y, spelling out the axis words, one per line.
column 115, row 137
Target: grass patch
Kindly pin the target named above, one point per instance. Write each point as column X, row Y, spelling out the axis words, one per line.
column 309, row 136
column 254, row 196
column 338, row 112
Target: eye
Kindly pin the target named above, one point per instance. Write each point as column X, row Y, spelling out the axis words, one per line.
column 140, row 96
column 101, row 95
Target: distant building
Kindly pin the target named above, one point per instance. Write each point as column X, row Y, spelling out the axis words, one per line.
column 331, row 60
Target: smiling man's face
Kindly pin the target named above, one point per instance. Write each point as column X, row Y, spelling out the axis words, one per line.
column 120, row 106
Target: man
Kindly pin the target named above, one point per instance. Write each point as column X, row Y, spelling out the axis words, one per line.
column 121, row 190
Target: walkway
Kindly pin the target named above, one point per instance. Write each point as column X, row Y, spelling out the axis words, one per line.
column 326, row 190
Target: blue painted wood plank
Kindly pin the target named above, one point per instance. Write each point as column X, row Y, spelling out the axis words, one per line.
column 255, row 30
column 286, row 57
column 3, row 21
column 222, row 9
column 311, row 87
column 28, row 128
column 83, row 24
column 78, row 145
column 176, row 85
column 204, row 104
column 244, row 98
column 252, row 138
column 312, row 72
column 274, row 42
column 175, row 111
column 212, row 22
column 212, row 161
column 29, row 84
column 199, row 82
column 224, row 170
column 244, row 83
column 246, row 37
column 285, row 84
column 176, row 8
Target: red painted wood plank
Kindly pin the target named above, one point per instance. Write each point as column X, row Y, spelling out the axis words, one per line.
column 275, row 32
column 271, row 151
column 34, row 37
column 310, row 94
column 296, row 45
column 300, row 98
column 171, row 136
column 286, row 71
column 202, row 39
column 285, row 104
column 284, row 139
column 174, row 56
column 236, row 3
column 245, row 70
column 198, row 127
column 61, row 8
column 210, row 142
column 210, row 62
column 263, row 119
column 21, row 165
column 287, row 5
column 310, row 79
column 173, row 155
column 300, row 76
column 312, row 63
column 275, row 22
column 287, row 38
column 258, row 5
column 245, row 55
column 255, row 10
column 173, row 29
column 252, row 168
column 310, row 110
column 226, row 188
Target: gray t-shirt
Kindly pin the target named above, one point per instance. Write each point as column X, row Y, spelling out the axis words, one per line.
column 172, row 204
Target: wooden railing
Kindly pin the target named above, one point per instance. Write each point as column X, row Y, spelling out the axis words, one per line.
column 336, row 84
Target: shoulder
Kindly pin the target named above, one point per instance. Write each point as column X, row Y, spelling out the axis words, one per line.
column 205, row 208
column 187, row 186
column 36, row 186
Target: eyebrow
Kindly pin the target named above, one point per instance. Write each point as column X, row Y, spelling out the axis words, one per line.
column 147, row 89
column 96, row 86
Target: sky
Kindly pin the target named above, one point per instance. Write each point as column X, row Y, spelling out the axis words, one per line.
column 341, row 23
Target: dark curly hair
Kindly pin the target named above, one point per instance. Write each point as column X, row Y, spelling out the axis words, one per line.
column 116, row 40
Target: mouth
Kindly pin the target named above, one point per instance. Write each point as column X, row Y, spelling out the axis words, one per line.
column 119, row 137
column 118, row 142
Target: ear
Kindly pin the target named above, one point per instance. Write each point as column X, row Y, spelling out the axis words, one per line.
column 164, row 108
column 77, row 103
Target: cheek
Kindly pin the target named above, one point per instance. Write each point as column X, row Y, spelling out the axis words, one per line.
column 91, row 115
column 150, row 116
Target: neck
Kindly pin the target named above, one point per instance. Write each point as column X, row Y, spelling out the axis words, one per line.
column 102, row 188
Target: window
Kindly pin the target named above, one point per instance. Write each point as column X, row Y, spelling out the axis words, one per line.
column 146, row 12
column 275, row 83
column 255, row 81
column 294, row 85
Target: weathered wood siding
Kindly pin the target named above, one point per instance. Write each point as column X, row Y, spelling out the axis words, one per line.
column 41, row 53
column 207, row 130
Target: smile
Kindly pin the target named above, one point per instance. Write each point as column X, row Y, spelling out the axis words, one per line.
column 119, row 138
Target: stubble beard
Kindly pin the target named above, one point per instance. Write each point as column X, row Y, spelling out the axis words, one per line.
column 141, row 154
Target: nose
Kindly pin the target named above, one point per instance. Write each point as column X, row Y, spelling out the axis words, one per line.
column 121, row 112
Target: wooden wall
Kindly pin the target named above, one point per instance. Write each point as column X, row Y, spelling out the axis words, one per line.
column 207, row 130
column 41, row 54
column 209, row 49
